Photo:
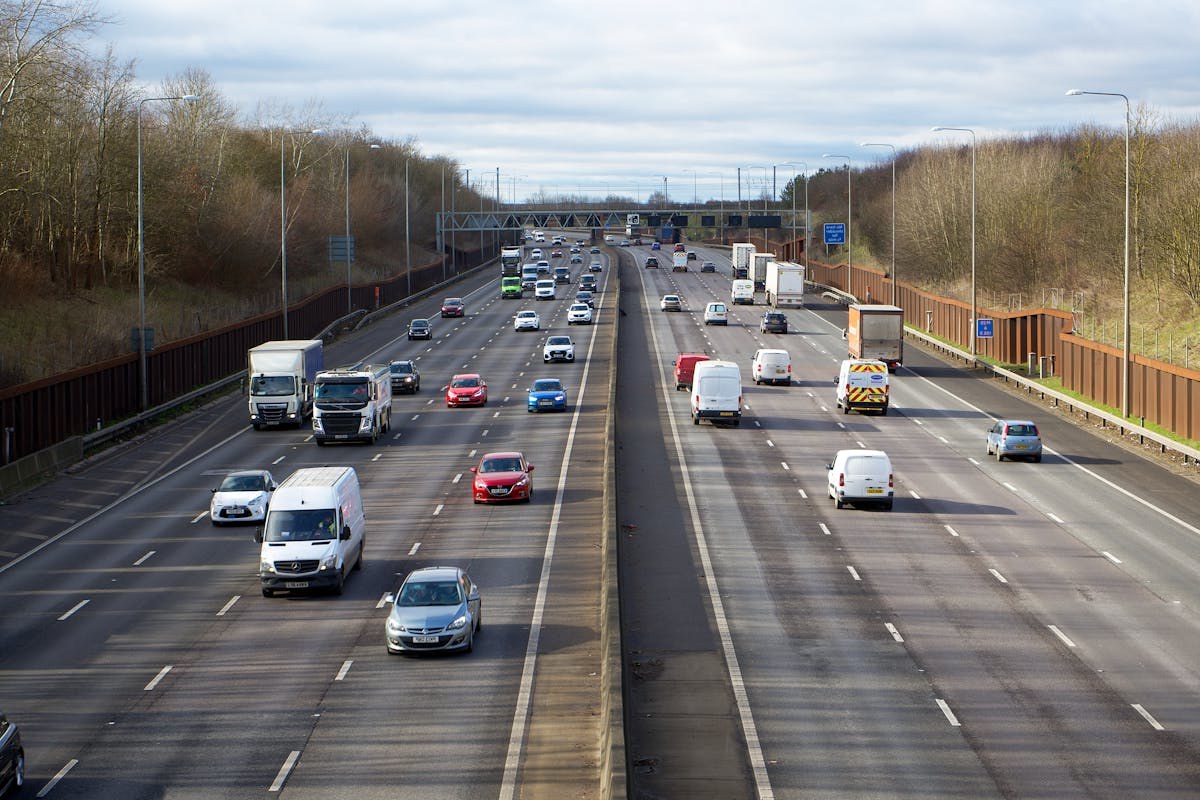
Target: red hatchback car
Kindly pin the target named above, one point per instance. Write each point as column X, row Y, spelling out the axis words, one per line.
column 466, row 390
column 501, row 477
column 454, row 307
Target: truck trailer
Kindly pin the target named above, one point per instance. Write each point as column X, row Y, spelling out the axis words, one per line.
column 785, row 284
column 739, row 257
column 876, row 332
column 758, row 269
column 281, row 376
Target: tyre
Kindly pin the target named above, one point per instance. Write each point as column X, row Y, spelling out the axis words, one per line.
column 340, row 586
column 320, row 442
column 737, row 423
column 695, row 420
column 216, row 523
column 18, row 776
column 989, row 449
column 999, row 455
column 885, row 410
column 470, row 644
column 479, row 619
column 361, row 546
column 887, row 506
column 268, row 592
column 257, row 427
column 1037, row 459
column 837, row 503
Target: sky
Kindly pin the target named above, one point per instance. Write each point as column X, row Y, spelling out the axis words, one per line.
column 611, row 97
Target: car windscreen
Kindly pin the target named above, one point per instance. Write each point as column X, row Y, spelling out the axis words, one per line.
column 401, row 369
column 305, row 525
column 342, row 390
column 547, row 386
column 430, row 593
column 272, row 385
column 557, row 340
column 501, row 465
column 243, row 483
column 464, row 383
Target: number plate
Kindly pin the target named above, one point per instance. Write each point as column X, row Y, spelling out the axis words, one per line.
column 873, row 490
column 296, row 585
column 726, row 413
column 1020, row 447
column 424, row 639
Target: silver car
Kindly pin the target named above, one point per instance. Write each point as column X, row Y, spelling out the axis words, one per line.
column 242, row 497
column 436, row 608
column 1014, row 438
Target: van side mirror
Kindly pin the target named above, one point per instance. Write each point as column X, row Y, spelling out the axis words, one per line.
column 473, row 469
column 829, row 467
column 214, row 491
column 258, row 535
column 345, row 533
column 835, row 381
column 529, row 467
column 843, row 333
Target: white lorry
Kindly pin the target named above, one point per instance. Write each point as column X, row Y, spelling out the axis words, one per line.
column 281, row 378
column 314, row 533
column 510, row 261
column 758, row 269
column 739, row 258
column 785, row 284
column 353, row 405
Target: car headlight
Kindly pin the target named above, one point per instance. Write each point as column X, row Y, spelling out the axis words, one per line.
column 366, row 424
column 329, row 561
column 394, row 627
column 317, row 426
column 523, row 482
column 560, row 398
column 459, row 622
column 266, row 566
column 480, row 485
column 256, row 504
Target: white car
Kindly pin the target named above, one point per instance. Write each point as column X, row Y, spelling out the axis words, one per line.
column 558, row 348
column 242, row 497
column 527, row 321
column 536, row 253
column 544, row 289
column 579, row 314
column 671, row 302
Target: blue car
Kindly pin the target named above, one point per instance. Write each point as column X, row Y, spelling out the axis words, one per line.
column 547, row 394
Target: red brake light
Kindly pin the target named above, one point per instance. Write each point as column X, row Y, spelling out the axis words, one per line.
column 841, row 479
column 890, row 485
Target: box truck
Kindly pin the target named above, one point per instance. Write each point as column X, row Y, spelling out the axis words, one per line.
column 876, row 332
column 352, row 405
column 785, row 284
column 739, row 257
column 758, row 269
column 281, row 376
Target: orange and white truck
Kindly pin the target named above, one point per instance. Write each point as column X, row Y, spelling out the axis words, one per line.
column 876, row 332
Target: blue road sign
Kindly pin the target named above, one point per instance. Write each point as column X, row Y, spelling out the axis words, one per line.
column 983, row 328
column 835, row 233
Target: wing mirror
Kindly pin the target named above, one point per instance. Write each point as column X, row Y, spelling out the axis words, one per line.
column 258, row 535
column 345, row 533
column 529, row 467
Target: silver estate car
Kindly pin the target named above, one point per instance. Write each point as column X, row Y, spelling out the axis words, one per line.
column 436, row 609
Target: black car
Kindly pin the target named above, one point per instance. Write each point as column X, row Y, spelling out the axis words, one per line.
column 12, row 757
column 691, row 256
column 708, row 266
column 405, row 377
column 420, row 329
column 773, row 322
column 651, row 262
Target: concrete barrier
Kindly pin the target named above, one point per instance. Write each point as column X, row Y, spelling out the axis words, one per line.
column 27, row 472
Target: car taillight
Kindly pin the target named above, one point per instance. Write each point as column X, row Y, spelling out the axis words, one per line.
column 841, row 479
column 890, row 480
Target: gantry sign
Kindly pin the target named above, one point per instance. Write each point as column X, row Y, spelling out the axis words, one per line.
column 500, row 220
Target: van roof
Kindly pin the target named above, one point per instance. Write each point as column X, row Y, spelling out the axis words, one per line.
column 315, row 476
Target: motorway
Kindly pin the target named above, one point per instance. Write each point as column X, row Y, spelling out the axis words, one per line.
column 1008, row 630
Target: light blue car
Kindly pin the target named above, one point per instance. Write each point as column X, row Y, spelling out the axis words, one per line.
column 1010, row 438
column 547, row 394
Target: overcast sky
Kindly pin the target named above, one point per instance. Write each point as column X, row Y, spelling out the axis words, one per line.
column 613, row 95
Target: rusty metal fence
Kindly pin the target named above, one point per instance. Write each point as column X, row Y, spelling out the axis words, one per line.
column 37, row 415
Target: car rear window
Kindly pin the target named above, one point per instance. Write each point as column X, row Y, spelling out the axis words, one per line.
column 1022, row 430
column 865, row 465
column 719, row 386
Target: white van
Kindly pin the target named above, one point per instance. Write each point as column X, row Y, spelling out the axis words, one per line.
column 741, row 291
column 861, row 476
column 771, row 366
column 717, row 392
column 862, row 384
column 716, row 314
column 544, row 289
column 314, row 533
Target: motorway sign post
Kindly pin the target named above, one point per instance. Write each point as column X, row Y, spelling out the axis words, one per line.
column 835, row 233
column 983, row 329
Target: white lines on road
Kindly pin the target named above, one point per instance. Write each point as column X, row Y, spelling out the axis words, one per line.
column 803, row 494
column 943, row 440
column 276, row 461
column 953, row 720
column 225, row 608
column 394, row 438
column 758, row 424
column 1062, row 636
column 495, row 414
column 997, row 575
column 376, row 457
column 825, row 409
column 308, row 438
column 416, row 417
column 973, row 461
column 915, row 496
column 1054, row 518
column 860, row 444
column 842, row 425
column 383, row 600
column 895, row 633
column 429, row 402
column 199, row 517
column 472, row 454
column 784, row 464
column 922, row 424
column 439, row 508
column 1010, row 487
column 284, row 771
column 950, row 530
column 162, row 673
column 853, row 573
column 58, row 776
column 770, row 443
column 457, row 478
column 1146, row 716
column 413, row 550
column 341, row 676
column 1110, row 556
column 144, row 558
column 485, row 432
column 506, row 398
column 824, row 529
column 74, row 608
column 511, row 387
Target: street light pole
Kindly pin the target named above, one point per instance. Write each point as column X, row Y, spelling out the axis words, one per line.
column 750, row 201
column 407, row 245
column 695, row 194
column 349, row 298
column 283, row 226
column 666, row 197
column 885, row 144
column 974, row 295
column 145, row 384
column 1125, row 361
column 793, row 165
column 848, row 211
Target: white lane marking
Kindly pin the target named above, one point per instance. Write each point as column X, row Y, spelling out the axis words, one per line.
column 860, row 444
column 511, row 387
column 199, row 517
column 1009, row 486
column 803, row 496
column 842, row 425
column 998, row 576
column 758, row 424
column 418, row 416
column 439, row 508
column 1146, row 716
column 472, row 454
column 824, row 528
column 919, row 422
column 485, row 433
column 377, row 456
column 429, row 402
column 225, row 608
column 770, row 443
column 58, row 776
column 341, row 676
column 1062, row 636
column 285, row 770
column 383, row 601
column 953, row 720
column 950, row 530
column 495, row 414
column 457, row 478
column 1110, row 556
column 394, row 438
column 74, row 608
column 944, row 440
column 505, row 399
column 1054, row 518
column 973, row 461
column 162, row 673
column 516, row 739
column 784, row 464
column 416, row 546
column 914, row 495
column 853, row 572
column 308, row 438
column 276, row 461
column 895, row 633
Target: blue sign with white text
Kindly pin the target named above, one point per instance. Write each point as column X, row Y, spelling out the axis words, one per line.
column 983, row 328
column 835, row 233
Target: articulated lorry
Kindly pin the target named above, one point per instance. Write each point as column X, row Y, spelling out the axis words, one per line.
column 281, row 376
column 353, row 405
column 758, row 269
column 510, row 261
column 785, row 284
column 739, row 257
column 876, row 332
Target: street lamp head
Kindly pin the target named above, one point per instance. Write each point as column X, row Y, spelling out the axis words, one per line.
column 1074, row 92
column 191, row 98
column 376, row 147
column 937, row 128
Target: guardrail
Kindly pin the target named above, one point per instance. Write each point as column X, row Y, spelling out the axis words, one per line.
column 1143, row 434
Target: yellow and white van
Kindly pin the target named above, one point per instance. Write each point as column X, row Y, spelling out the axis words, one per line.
column 862, row 385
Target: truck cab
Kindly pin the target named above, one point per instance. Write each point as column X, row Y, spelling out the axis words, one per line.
column 353, row 405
